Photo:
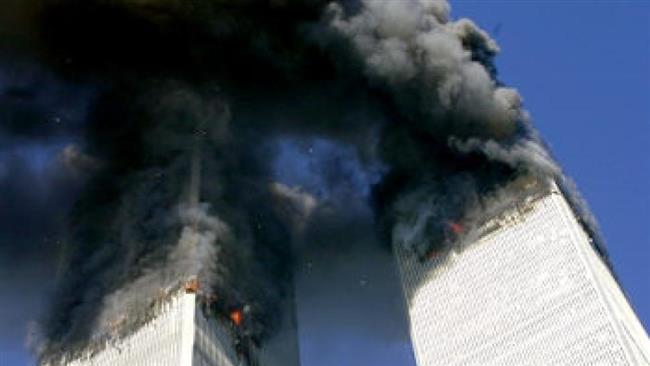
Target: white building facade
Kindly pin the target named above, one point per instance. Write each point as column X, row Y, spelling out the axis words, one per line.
column 179, row 335
column 530, row 291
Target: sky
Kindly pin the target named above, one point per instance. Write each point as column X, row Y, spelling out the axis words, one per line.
column 583, row 69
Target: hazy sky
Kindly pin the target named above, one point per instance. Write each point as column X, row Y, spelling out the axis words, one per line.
column 583, row 69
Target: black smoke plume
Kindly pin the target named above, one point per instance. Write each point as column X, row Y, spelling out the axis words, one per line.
column 179, row 81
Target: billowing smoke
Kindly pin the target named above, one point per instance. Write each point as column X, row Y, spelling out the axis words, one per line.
column 180, row 139
column 457, row 137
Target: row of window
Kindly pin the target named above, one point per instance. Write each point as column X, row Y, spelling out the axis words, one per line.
column 522, row 288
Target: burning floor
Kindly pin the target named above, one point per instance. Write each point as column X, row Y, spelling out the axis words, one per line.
column 182, row 326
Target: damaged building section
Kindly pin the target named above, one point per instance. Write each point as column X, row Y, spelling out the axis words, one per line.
column 526, row 287
column 180, row 327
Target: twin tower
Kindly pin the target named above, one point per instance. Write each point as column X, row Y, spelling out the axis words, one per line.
column 529, row 289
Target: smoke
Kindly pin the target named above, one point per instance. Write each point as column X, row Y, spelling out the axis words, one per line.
column 150, row 220
column 295, row 205
column 194, row 255
column 407, row 94
column 459, row 136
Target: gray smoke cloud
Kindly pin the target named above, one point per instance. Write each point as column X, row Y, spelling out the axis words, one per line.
column 162, row 222
column 194, row 255
column 460, row 136
column 407, row 93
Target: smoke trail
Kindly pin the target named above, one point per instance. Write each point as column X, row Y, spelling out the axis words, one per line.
column 194, row 256
column 459, row 136
column 162, row 221
column 211, row 86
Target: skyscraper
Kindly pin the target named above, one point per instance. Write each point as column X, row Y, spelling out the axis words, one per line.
column 180, row 331
column 184, row 326
column 529, row 290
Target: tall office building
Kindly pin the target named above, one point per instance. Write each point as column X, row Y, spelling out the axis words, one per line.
column 180, row 331
column 179, row 328
column 531, row 290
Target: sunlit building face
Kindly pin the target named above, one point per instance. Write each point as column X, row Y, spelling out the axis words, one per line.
column 530, row 291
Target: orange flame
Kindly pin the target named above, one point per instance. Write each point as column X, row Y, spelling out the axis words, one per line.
column 237, row 317
column 192, row 286
column 456, row 228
